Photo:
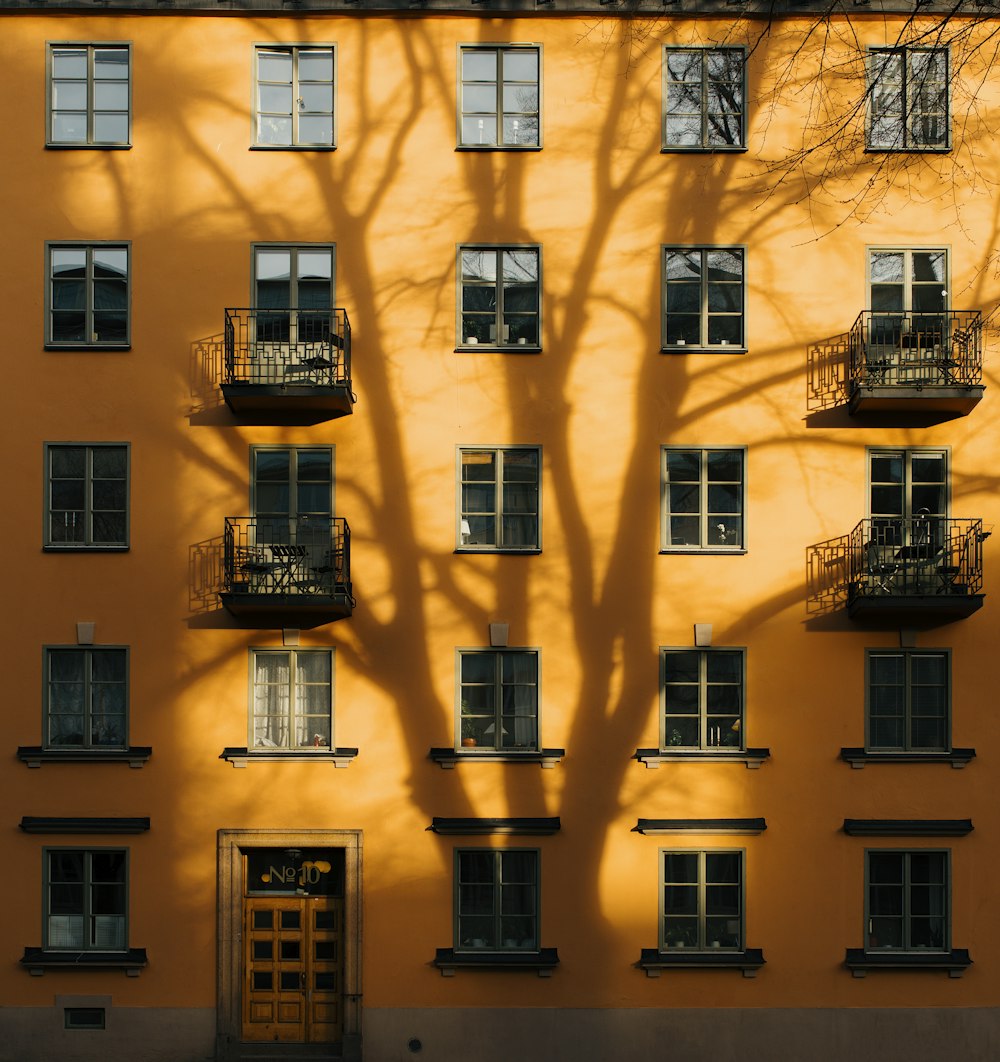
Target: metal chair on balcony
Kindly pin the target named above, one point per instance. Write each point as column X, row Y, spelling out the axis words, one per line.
column 880, row 567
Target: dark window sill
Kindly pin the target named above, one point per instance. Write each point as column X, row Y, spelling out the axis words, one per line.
column 652, row 758
column 543, row 961
column 76, row 547
column 908, row 150
column 530, row 551
column 908, row 827
column 56, row 146
column 690, row 348
column 653, row 961
column 293, row 147
column 700, row 149
column 448, row 758
column 492, row 348
column 657, row 827
column 83, row 825
column 37, row 960
column 860, row 962
column 515, row 148
column 858, row 758
column 241, row 757
column 35, row 755
column 88, row 348
column 711, row 551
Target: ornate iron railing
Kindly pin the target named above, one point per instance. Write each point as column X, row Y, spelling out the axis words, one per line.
column 278, row 556
column 279, row 347
column 917, row 349
column 917, row 556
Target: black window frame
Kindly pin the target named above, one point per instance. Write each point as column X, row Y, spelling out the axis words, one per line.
column 877, row 67
column 86, row 711
column 295, row 143
column 728, row 533
column 87, row 910
column 469, row 322
column 500, row 513
column 713, row 738
column 469, row 735
column 92, row 81
column 710, row 318
column 705, row 144
column 908, row 916
column 495, row 941
column 91, row 281
column 501, row 112
column 87, row 543
column 908, row 717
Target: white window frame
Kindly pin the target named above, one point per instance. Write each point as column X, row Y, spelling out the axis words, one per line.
column 319, row 742
column 879, row 64
column 464, row 731
column 710, row 318
column 496, row 942
column 500, row 328
column 92, row 922
column 295, row 143
column 463, row 531
column 90, row 282
column 720, row 536
column 713, row 737
column 87, row 542
column 479, row 143
column 92, row 82
column 907, row 717
column 86, row 710
column 705, row 142
column 670, row 938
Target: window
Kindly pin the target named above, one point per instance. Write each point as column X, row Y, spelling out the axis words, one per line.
column 908, row 693
column 907, row 903
column 703, row 298
column 704, row 90
column 86, row 698
column 498, row 699
column 292, row 699
column 88, row 295
column 908, row 99
column 500, row 296
column 908, row 496
column 87, row 506
column 89, row 95
column 497, row 902
column 702, row 900
column 295, row 100
column 499, row 105
column 702, row 698
column 86, row 903
column 702, row 498
column 499, row 507
column 293, row 299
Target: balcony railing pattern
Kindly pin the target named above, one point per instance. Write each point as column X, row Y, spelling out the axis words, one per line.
column 917, row 349
column 282, row 347
column 920, row 556
column 278, row 557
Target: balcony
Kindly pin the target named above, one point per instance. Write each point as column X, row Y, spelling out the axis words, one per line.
column 292, row 361
column 283, row 568
column 924, row 363
column 919, row 569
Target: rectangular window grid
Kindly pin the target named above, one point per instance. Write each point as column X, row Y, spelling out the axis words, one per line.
column 702, row 498
column 702, row 699
column 703, row 98
column 86, row 698
column 87, row 496
column 497, row 902
column 86, row 899
column 292, row 699
column 907, row 902
column 500, row 294
column 703, row 297
column 908, row 694
column 908, row 105
column 499, row 498
column 89, row 95
column 498, row 691
column 702, row 901
column 499, row 105
column 88, row 295
column 295, row 97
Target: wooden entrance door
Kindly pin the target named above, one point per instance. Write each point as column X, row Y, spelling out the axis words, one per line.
column 292, row 969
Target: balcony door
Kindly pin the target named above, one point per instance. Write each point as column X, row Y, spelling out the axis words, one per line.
column 908, row 496
column 908, row 297
column 293, row 299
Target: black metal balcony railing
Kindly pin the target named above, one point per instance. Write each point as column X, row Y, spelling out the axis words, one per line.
column 282, row 347
column 286, row 562
column 934, row 558
column 917, row 350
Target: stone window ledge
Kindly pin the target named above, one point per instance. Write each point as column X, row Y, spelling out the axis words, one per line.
column 860, row 962
column 34, row 755
column 448, row 758
column 543, row 961
column 242, row 757
column 37, row 960
column 652, row 758
column 654, row 961
column 858, row 758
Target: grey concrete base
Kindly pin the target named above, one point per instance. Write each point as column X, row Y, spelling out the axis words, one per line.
column 138, row 1034
column 750, row 1035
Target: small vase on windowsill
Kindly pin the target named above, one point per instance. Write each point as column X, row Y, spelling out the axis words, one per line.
column 468, row 743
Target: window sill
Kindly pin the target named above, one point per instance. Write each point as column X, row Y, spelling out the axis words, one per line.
column 908, row 150
column 448, row 758
column 37, row 960
column 543, row 962
column 653, row 961
column 76, row 547
column 81, row 825
column 515, row 148
column 718, row 149
column 493, row 348
column 505, row 550
column 652, row 758
column 709, row 551
column 34, row 755
column 690, row 348
column 858, row 758
column 860, row 962
column 56, row 146
column 293, row 147
column 244, row 757
column 87, row 348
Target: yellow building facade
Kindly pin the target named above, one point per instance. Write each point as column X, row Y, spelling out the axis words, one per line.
column 502, row 533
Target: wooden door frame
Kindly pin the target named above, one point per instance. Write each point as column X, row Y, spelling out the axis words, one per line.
column 231, row 889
